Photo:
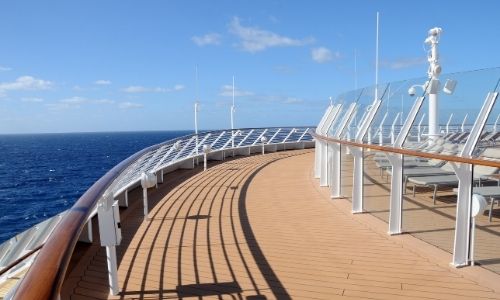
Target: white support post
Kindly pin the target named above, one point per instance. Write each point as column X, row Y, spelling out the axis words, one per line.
column 336, row 162
column 496, row 122
column 358, row 179
column 419, row 129
column 448, row 123
column 381, row 130
column 358, row 176
column 463, row 123
column 461, row 246
column 323, row 165
column 396, row 199
column 145, row 201
column 108, row 216
column 204, row 161
column 396, row 160
column 112, row 270
column 393, row 128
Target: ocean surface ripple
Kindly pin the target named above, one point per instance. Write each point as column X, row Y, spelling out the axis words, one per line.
column 42, row 175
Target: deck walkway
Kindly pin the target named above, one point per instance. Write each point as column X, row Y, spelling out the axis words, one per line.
column 259, row 227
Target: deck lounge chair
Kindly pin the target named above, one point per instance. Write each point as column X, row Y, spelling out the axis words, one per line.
column 452, row 180
column 491, row 192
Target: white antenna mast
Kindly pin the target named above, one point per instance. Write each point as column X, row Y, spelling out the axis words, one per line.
column 196, row 104
column 376, row 60
column 232, row 118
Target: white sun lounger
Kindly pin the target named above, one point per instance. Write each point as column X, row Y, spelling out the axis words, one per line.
column 491, row 192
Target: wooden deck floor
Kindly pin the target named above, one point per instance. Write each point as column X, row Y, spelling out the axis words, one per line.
column 259, row 227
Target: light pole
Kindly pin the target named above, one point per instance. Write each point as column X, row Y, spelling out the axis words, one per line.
column 206, row 150
column 263, row 140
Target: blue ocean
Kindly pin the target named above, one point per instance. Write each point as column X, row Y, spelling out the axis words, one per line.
column 42, row 175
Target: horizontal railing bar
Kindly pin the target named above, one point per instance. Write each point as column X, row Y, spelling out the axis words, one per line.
column 451, row 158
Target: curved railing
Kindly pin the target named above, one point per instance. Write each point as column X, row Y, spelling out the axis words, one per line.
column 459, row 146
column 46, row 275
column 410, row 152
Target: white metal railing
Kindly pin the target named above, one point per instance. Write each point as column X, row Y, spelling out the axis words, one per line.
column 169, row 154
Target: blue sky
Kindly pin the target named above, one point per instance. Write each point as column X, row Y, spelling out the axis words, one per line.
column 72, row 66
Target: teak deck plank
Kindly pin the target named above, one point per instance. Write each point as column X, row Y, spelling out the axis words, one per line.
column 260, row 227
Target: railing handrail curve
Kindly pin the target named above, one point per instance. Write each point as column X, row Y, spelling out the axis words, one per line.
column 53, row 260
column 47, row 273
column 410, row 152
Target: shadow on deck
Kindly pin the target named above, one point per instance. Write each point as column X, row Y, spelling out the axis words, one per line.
column 172, row 255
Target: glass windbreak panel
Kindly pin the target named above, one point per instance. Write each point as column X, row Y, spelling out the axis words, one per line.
column 346, row 99
column 487, row 230
column 346, row 172
column 365, row 105
column 377, row 184
column 459, row 100
column 429, row 209
column 490, row 135
column 487, row 183
column 429, row 201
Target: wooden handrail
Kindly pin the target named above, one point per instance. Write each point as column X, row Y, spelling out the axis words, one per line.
column 446, row 157
column 46, row 275
column 19, row 260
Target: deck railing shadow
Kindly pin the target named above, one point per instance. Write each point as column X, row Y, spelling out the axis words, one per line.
column 186, row 212
column 432, row 223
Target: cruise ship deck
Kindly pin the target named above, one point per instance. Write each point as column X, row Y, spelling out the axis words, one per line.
column 260, row 227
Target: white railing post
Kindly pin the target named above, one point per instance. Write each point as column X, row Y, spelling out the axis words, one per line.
column 419, row 134
column 396, row 160
column 496, row 122
column 323, row 169
column 357, row 153
column 393, row 128
column 448, row 123
column 461, row 246
column 463, row 123
column 336, row 156
column 381, row 130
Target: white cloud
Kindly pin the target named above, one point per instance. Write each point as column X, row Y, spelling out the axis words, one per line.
column 25, row 83
column 254, row 39
column 227, row 91
column 403, row 63
column 102, row 82
column 279, row 99
column 103, row 101
column 292, row 100
column 207, row 39
column 178, row 87
column 4, row 69
column 134, row 89
column 130, row 105
column 76, row 102
column 323, row 55
column 32, row 99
